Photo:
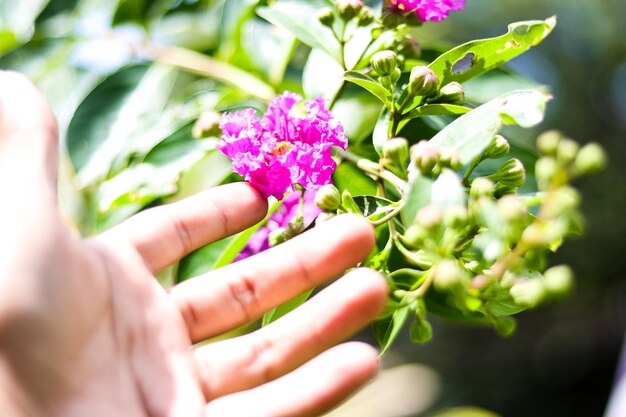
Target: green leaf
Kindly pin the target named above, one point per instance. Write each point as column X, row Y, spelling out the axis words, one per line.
column 372, row 207
column 349, row 177
column 276, row 313
column 322, row 76
column 471, row 133
column 358, row 114
column 17, row 19
column 387, row 330
column 418, row 195
column 370, row 85
column 382, row 130
column 448, row 191
column 436, row 110
column 124, row 109
column 300, row 18
column 477, row 57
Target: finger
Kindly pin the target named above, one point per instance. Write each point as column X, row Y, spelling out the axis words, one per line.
column 162, row 235
column 257, row 358
column 28, row 143
column 243, row 291
column 311, row 390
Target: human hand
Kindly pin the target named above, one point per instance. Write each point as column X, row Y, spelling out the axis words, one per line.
column 85, row 329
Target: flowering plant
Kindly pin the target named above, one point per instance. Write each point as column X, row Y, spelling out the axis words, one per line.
column 378, row 124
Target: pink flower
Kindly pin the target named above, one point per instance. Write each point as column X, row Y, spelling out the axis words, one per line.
column 288, row 210
column 427, row 10
column 291, row 144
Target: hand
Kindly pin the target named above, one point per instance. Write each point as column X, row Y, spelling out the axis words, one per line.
column 85, row 329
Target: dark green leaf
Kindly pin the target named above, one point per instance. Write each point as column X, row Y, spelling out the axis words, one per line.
column 387, row 330
column 372, row 207
column 417, row 196
column 436, row 110
column 348, row 177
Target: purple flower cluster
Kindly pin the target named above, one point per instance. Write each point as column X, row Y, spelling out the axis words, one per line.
column 290, row 145
column 427, row 10
column 288, row 210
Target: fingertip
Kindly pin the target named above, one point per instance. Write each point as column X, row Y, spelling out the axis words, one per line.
column 355, row 229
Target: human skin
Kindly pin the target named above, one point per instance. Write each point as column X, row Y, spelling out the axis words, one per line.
column 86, row 330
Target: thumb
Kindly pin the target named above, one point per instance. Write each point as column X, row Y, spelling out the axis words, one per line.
column 28, row 143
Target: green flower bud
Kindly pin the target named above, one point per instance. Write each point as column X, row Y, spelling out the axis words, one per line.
column 415, row 235
column 566, row 151
column 548, row 142
column 395, row 74
column 384, row 62
column 423, row 82
column 540, row 235
column 563, row 201
column 591, row 159
column 326, row 16
column 505, row 326
column 559, row 280
column 429, row 217
column 409, row 47
column 448, row 274
column 348, row 9
column 425, row 156
column 207, row 125
column 527, row 292
column 456, row 217
column 276, row 237
column 390, row 19
column 473, row 266
column 511, row 208
column 420, row 331
column 482, row 187
column 498, row 148
column 510, row 174
column 294, row 228
column 450, row 160
column 546, row 169
column 366, row 17
column 451, row 93
column 328, row 197
column 397, row 151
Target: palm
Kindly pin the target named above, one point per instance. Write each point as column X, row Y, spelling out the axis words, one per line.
column 103, row 338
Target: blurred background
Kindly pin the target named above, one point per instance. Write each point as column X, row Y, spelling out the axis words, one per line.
column 563, row 358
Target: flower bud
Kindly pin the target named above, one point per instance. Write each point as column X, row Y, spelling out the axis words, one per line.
column 510, row 174
column 451, row 93
column 415, row 235
column 384, row 62
column 447, row 274
column 548, row 142
column 482, row 187
column 498, row 148
column 409, row 47
column 564, row 200
column 207, row 125
column 456, row 217
column 395, row 74
column 390, row 18
column 328, row 197
column 276, row 237
column 527, row 292
column 473, row 266
column 566, row 151
column 397, row 151
column 538, row 235
column 425, row 156
column 546, row 169
column 348, row 9
column 450, row 160
column 505, row 326
column 591, row 159
column 511, row 208
column 366, row 17
column 558, row 280
column 429, row 217
column 420, row 331
column 423, row 82
column 326, row 16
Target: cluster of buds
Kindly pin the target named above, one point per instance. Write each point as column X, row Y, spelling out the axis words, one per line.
column 385, row 63
column 424, row 82
column 430, row 161
column 347, row 10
